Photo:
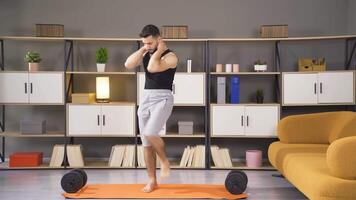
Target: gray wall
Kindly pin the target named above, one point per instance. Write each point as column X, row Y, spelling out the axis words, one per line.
column 205, row 18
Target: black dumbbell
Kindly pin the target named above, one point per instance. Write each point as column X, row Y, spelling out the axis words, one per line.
column 236, row 182
column 74, row 180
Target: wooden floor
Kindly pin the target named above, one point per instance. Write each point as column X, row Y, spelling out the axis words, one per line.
column 45, row 184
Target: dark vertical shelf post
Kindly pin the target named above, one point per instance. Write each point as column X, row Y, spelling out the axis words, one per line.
column 68, row 55
column 207, row 106
column 2, row 123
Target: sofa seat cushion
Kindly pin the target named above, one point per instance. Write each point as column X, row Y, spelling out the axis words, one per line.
column 278, row 151
column 310, row 174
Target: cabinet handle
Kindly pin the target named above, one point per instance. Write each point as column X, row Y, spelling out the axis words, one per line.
column 31, row 88
column 25, row 88
column 314, row 88
column 103, row 120
column 242, row 120
column 174, row 88
column 98, row 120
column 247, row 120
column 321, row 88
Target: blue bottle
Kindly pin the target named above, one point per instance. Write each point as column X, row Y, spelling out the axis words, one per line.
column 235, row 89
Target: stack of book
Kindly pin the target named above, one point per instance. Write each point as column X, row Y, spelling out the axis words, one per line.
column 221, row 156
column 122, row 156
column 75, row 155
column 141, row 158
column 57, row 156
column 193, row 157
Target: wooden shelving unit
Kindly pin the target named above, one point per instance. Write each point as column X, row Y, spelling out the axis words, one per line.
column 208, row 74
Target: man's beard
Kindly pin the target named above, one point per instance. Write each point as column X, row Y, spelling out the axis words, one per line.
column 152, row 51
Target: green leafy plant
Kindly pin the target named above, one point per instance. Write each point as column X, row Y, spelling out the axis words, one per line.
column 259, row 62
column 33, row 57
column 260, row 95
column 101, row 55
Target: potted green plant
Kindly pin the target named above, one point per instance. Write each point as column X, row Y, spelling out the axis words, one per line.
column 259, row 96
column 260, row 66
column 33, row 59
column 101, row 58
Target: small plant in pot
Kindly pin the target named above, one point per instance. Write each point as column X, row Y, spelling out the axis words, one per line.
column 260, row 66
column 33, row 59
column 101, row 59
column 259, row 96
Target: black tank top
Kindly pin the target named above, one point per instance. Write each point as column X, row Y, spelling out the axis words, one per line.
column 158, row 80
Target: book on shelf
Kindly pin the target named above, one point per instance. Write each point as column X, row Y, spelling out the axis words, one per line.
column 122, row 156
column 75, row 155
column 141, row 157
column 221, row 156
column 57, row 157
column 193, row 156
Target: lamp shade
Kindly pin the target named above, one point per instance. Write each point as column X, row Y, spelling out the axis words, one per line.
column 102, row 89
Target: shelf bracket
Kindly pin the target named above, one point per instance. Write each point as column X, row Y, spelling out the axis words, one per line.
column 349, row 57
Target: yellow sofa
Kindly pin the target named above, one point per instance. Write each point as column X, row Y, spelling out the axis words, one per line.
column 317, row 154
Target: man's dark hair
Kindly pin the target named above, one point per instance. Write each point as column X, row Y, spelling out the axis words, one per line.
column 148, row 30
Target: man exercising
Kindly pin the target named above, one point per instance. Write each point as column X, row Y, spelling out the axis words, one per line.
column 156, row 104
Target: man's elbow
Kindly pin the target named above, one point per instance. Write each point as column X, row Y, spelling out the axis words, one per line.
column 128, row 65
column 152, row 69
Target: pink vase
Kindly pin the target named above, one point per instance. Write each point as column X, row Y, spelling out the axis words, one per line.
column 254, row 158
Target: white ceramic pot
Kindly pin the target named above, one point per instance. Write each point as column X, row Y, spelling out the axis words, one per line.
column 100, row 67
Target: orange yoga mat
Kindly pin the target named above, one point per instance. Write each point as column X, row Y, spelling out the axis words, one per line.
column 172, row 191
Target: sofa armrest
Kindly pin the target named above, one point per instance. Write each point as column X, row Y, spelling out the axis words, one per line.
column 341, row 158
column 306, row 128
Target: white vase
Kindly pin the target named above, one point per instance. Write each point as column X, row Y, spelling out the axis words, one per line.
column 100, row 67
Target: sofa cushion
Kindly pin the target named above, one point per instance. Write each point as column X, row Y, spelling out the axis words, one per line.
column 310, row 174
column 278, row 151
column 341, row 158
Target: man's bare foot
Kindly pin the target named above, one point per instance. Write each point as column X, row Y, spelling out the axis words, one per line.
column 150, row 186
column 165, row 169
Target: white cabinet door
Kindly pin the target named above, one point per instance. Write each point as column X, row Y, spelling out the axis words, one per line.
column 84, row 120
column 300, row 89
column 140, row 85
column 14, row 87
column 336, row 87
column 46, row 87
column 261, row 120
column 227, row 120
column 118, row 120
column 189, row 89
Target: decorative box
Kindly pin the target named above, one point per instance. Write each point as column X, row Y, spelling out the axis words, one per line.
column 185, row 127
column 49, row 30
column 274, row 31
column 174, row 31
column 84, row 98
column 26, row 159
column 31, row 126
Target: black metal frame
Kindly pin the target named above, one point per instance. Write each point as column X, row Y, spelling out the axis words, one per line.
column 69, row 62
column 277, row 61
column 68, row 56
column 2, row 123
column 349, row 57
column 207, row 105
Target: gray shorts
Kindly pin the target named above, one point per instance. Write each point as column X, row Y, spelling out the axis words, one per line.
column 153, row 112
